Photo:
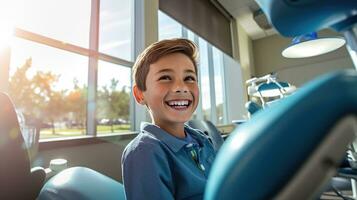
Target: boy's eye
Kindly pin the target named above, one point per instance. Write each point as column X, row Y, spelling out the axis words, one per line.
column 190, row 78
column 165, row 77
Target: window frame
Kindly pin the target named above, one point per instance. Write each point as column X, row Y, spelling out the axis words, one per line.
column 93, row 55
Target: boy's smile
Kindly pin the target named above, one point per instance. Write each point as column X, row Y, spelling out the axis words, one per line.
column 179, row 104
column 171, row 92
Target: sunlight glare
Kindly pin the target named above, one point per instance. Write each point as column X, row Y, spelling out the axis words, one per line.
column 10, row 15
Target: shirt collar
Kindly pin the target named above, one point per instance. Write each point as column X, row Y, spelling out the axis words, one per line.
column 174, row 143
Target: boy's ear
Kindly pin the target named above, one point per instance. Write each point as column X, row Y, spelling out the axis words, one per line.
column 138, row 95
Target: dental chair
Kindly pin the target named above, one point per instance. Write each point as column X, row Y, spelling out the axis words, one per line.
column 292, row 149
column 210, row 130
column 17, row 179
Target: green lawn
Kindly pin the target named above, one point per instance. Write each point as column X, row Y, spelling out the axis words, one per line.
column 101, row 129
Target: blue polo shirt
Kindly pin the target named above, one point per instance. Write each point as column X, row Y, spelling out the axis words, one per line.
column 157, row 165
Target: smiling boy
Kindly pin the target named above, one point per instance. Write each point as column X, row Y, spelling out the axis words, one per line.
column 167, row 160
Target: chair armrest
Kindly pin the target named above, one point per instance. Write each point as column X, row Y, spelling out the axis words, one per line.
column 37, row 179
column 82, row 183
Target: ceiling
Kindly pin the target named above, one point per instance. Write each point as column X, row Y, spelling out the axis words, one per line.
column 243, row 10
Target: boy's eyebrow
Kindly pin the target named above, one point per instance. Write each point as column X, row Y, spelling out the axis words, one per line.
column 164, row 70
column 170, row 70
column 190, row 71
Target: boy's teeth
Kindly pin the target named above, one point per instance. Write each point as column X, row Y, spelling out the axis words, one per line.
column 178, row 103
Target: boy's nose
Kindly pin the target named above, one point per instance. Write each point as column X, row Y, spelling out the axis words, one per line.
column 180, row 87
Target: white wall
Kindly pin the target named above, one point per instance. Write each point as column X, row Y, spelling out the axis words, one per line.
column 301, row 74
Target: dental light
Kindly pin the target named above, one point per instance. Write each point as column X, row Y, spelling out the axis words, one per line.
column 310, row 44
column 268, row 87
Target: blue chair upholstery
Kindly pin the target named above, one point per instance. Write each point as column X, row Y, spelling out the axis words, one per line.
column 81, row 183
column 264, row 154
column 271, row 85
column 294, row 18
column 252, row 107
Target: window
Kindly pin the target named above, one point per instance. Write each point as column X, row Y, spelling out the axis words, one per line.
column 168, row 28
column 190, row 35
column 113, row 97
column 64, row 20
column 53, row 73
column 49, row 86
column 219, row 85
column 211, row 75
column 115, row 36
column 205, row 80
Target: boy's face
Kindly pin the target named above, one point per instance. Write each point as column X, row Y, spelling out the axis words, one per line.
column 171, row 92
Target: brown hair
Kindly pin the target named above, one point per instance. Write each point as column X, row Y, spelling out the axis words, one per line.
column 157, row 50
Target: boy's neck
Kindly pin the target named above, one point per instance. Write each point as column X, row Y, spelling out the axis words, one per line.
column 177, row 130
